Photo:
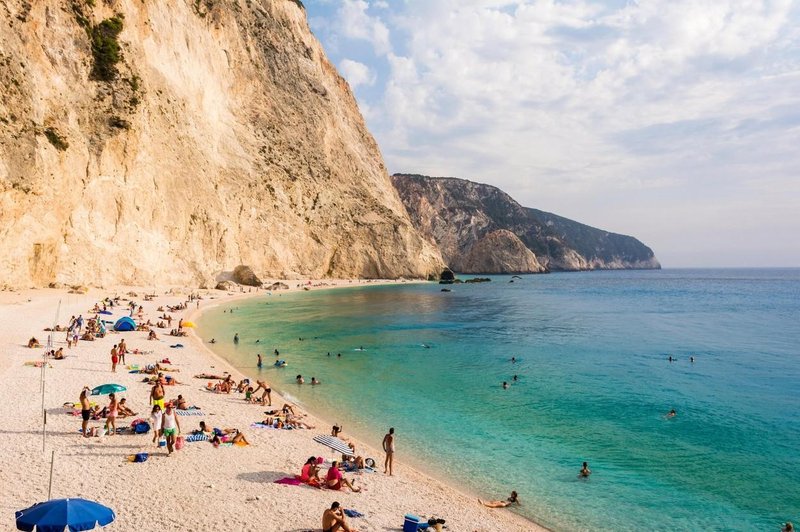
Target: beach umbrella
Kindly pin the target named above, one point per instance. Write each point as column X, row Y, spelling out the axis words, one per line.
column 57, row 515
column 105, row 389
column 335, row 443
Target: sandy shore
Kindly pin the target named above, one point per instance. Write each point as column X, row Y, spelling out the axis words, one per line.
column 199, row 487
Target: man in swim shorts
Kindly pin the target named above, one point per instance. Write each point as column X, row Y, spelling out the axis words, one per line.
column 86, row 410
column 333, row 519
column 157, row 395
column 388, row 447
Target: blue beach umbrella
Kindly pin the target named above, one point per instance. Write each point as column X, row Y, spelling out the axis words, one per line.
column 105, row 389
column 58, row 515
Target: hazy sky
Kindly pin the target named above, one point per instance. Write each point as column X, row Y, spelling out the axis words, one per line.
column 674, row 121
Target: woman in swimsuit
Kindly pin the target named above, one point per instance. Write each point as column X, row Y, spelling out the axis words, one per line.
column 512, row 499
column 111, row 420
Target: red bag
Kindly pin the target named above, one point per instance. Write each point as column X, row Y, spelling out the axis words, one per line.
column 179, row 441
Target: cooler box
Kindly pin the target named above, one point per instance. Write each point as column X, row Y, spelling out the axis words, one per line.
column 412, row 524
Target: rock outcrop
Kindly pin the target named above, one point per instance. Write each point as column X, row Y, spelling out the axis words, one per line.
column 481, row 229
column 244, row 275
column 163, row 142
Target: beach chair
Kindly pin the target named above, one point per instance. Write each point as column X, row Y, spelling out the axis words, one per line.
column 413, row 523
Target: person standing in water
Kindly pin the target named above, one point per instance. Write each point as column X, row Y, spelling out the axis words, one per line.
column 585, row 471
column 260, row 363
column 236, row 337
column 388, row 447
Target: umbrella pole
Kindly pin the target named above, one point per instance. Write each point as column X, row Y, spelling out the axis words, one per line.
column 50, row 485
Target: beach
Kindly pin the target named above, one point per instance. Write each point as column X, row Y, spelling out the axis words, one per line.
column 199, row 486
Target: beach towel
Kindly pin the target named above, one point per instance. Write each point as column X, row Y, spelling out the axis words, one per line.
column 261, row 426
column 352, row 513
column 289, row 481
column 190, row 412
column 196, row 437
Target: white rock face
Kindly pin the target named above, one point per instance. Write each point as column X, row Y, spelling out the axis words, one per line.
column 227, row 138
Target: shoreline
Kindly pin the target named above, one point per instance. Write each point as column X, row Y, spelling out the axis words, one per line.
column 96, row 469
column 361, row 440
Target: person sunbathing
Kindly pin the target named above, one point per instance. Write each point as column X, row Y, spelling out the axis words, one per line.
column 180, row 403
column 512, row 499
column 152, row 335
column 33, row 342
column 335, row 480
column 229, row 436
column 123, row 410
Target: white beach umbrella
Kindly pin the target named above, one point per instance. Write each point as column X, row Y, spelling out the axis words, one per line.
column 340, row 446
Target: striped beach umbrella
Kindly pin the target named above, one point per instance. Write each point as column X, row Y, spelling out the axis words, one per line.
column 334, row 443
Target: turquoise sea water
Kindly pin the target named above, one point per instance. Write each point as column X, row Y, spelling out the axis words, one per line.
column 594, row 384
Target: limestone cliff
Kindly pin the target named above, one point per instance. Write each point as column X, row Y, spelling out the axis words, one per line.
column 145, row 141
column 481, row 229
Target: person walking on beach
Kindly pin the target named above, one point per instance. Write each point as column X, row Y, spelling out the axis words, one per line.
column 157, row 395
column 170, row 427
column 123, row 348
column 156, row 417
column 388, row 447
column 114, row 358
column 333, row 519
column 86, row 410
column 111, row 419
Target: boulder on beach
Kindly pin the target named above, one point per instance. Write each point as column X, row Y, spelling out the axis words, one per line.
column 244, row 275
column 278, row 286
column 226, row 285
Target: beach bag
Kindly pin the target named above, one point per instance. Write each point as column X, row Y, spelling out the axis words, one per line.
column 179, row 441
column 140, row 426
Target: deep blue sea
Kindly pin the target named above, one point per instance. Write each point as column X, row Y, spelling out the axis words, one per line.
column 594, row 384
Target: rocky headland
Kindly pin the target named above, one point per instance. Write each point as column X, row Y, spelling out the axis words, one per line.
column 481, row 229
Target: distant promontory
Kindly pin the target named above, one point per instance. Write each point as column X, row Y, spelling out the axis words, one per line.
column 481, row 229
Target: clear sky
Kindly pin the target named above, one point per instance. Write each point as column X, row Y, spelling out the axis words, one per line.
column 674, row 121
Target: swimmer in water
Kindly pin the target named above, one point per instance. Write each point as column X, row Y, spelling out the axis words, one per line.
column 671, row 414
column 513, row 360
column 329, row 353
column 515, row 378
column 276, row 352
column 213, row 341
column 339, row 355
column 236, row 338
column 314, row 381
column 505, row 385
column 585, row 471
column 691, row 359
column 300, row 379
column 671, row 359
column 258, row 341
column 426, row 346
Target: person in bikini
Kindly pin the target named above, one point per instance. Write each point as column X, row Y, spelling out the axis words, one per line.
column 113, row 411
column 512, row 499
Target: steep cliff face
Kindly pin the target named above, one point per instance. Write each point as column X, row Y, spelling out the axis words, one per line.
column 481, row 229
column 145, row 142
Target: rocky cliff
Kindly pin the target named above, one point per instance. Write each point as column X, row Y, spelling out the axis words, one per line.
column 162, row 142
column 481, row 229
